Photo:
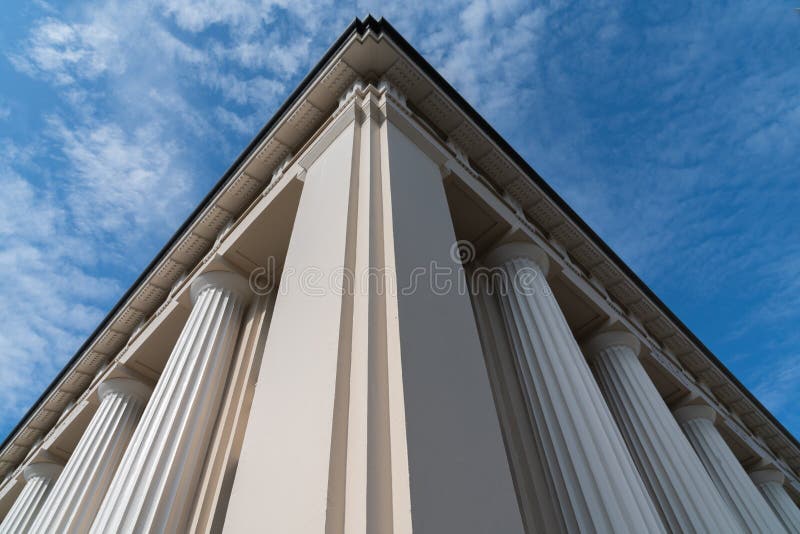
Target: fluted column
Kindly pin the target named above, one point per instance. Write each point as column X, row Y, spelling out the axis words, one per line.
column 39, row 480
column 153, row 487
column 78, row 492
column 770, row 483
column 727, row 473
column 596, row 482
column 681, row 488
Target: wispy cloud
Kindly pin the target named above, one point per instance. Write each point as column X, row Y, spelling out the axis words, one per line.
column 52, row 293
column 777, row 389
column 67, row 53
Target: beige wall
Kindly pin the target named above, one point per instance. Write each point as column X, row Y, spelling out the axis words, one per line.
column 460, row 479
column 283, row 470
column 373, row 410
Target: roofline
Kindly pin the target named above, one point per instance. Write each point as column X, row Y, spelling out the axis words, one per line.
column 382, row 26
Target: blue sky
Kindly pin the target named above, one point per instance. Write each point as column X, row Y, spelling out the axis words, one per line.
column 672, row 128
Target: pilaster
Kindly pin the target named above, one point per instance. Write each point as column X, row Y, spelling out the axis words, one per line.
column 390, row 424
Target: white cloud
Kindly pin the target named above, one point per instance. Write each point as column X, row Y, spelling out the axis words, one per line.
column 243, row 125
column 50, row 292
column 69, row 52
column 777, row 389
column 122, row 183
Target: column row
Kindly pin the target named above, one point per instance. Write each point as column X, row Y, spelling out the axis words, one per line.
column 136, row 465
column 619, row 460
column 615, row 457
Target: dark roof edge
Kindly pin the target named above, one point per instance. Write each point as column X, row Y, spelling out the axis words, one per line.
column 383, row 26
column 355, row 26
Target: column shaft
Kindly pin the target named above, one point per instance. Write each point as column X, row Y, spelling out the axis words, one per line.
column 770, row 483
column 681, row 488
column 595, row 479
column 727, row 473
column 78, row 492
column 154, row 485
column 39, row 480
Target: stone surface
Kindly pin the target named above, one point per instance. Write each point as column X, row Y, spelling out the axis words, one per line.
column 39, row 480
column 681, row 488
column 727, row 473
column 770, row 483
column 78, row 492
column 595, row 478
column 155, row 482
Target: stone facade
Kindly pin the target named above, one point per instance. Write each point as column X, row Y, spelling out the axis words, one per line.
column 382, row 320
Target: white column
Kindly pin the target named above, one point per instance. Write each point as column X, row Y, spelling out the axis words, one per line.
column 727, row 473
column 39, row 480
column 154, row 485
column 595, row 479
column 770, row 484
column 678, row 482
column 78, row 492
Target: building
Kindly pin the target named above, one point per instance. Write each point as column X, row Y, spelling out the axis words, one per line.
column 383, row 320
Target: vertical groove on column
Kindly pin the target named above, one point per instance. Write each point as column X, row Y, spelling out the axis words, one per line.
column 39, row 482
column 77, row 494
column 783, row 505
column 535, row 491
column 684, row 493
column 154, row 484
column 730, row 478
column 595, row 478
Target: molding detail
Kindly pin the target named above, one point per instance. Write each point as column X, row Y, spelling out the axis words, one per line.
column 124, row 387
column 230, row 281
column 357, row 88
column 388, row 88
column 502, row 254
column 599, row 343
column 700, row 411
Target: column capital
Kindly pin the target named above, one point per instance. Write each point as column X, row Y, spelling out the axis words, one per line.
column 517, row 249
column 231, row 281
column 764, row 476
column 698, row 411
column 603, row 340
column 46, row 470
column 124, row 386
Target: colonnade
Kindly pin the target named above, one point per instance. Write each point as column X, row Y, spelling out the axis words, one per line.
column 135, row 467
column 616, row 458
